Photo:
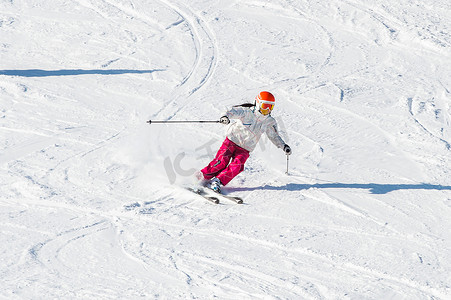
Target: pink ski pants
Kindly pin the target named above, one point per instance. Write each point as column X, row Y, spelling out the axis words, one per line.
column 220, row 168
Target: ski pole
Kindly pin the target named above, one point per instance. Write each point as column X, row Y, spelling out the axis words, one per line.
column 180, row 122
column 287, row 165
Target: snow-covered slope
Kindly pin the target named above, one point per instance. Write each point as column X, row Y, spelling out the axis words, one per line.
column 90, row 195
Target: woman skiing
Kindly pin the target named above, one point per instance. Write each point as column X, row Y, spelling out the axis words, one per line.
column 242, row 137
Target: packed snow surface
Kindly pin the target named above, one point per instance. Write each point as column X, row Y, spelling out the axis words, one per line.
column 91, row 196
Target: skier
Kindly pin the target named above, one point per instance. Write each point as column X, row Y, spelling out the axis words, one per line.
column 242, row 137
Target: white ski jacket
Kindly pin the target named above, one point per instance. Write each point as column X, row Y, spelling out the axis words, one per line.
column 249, row 127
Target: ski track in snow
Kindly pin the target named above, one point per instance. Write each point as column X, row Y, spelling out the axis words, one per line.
column 203, row 66
column 86, row 208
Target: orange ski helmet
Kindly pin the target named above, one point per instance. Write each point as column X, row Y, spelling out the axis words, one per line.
column 265, row 102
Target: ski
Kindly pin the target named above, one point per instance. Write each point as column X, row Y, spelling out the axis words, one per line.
column 237, row 200
column 203, row 194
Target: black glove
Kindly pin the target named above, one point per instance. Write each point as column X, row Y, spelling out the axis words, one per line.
column 287, row 149
column 224, row 120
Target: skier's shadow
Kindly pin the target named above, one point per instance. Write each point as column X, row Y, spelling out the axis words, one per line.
column 374, row 188
column 73, row 72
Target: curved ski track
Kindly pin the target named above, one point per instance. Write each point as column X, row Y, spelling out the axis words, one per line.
column 203, row 67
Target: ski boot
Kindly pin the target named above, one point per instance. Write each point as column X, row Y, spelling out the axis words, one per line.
column 215, row 185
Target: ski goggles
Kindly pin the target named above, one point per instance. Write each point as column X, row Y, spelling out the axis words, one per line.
column 266, row 105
